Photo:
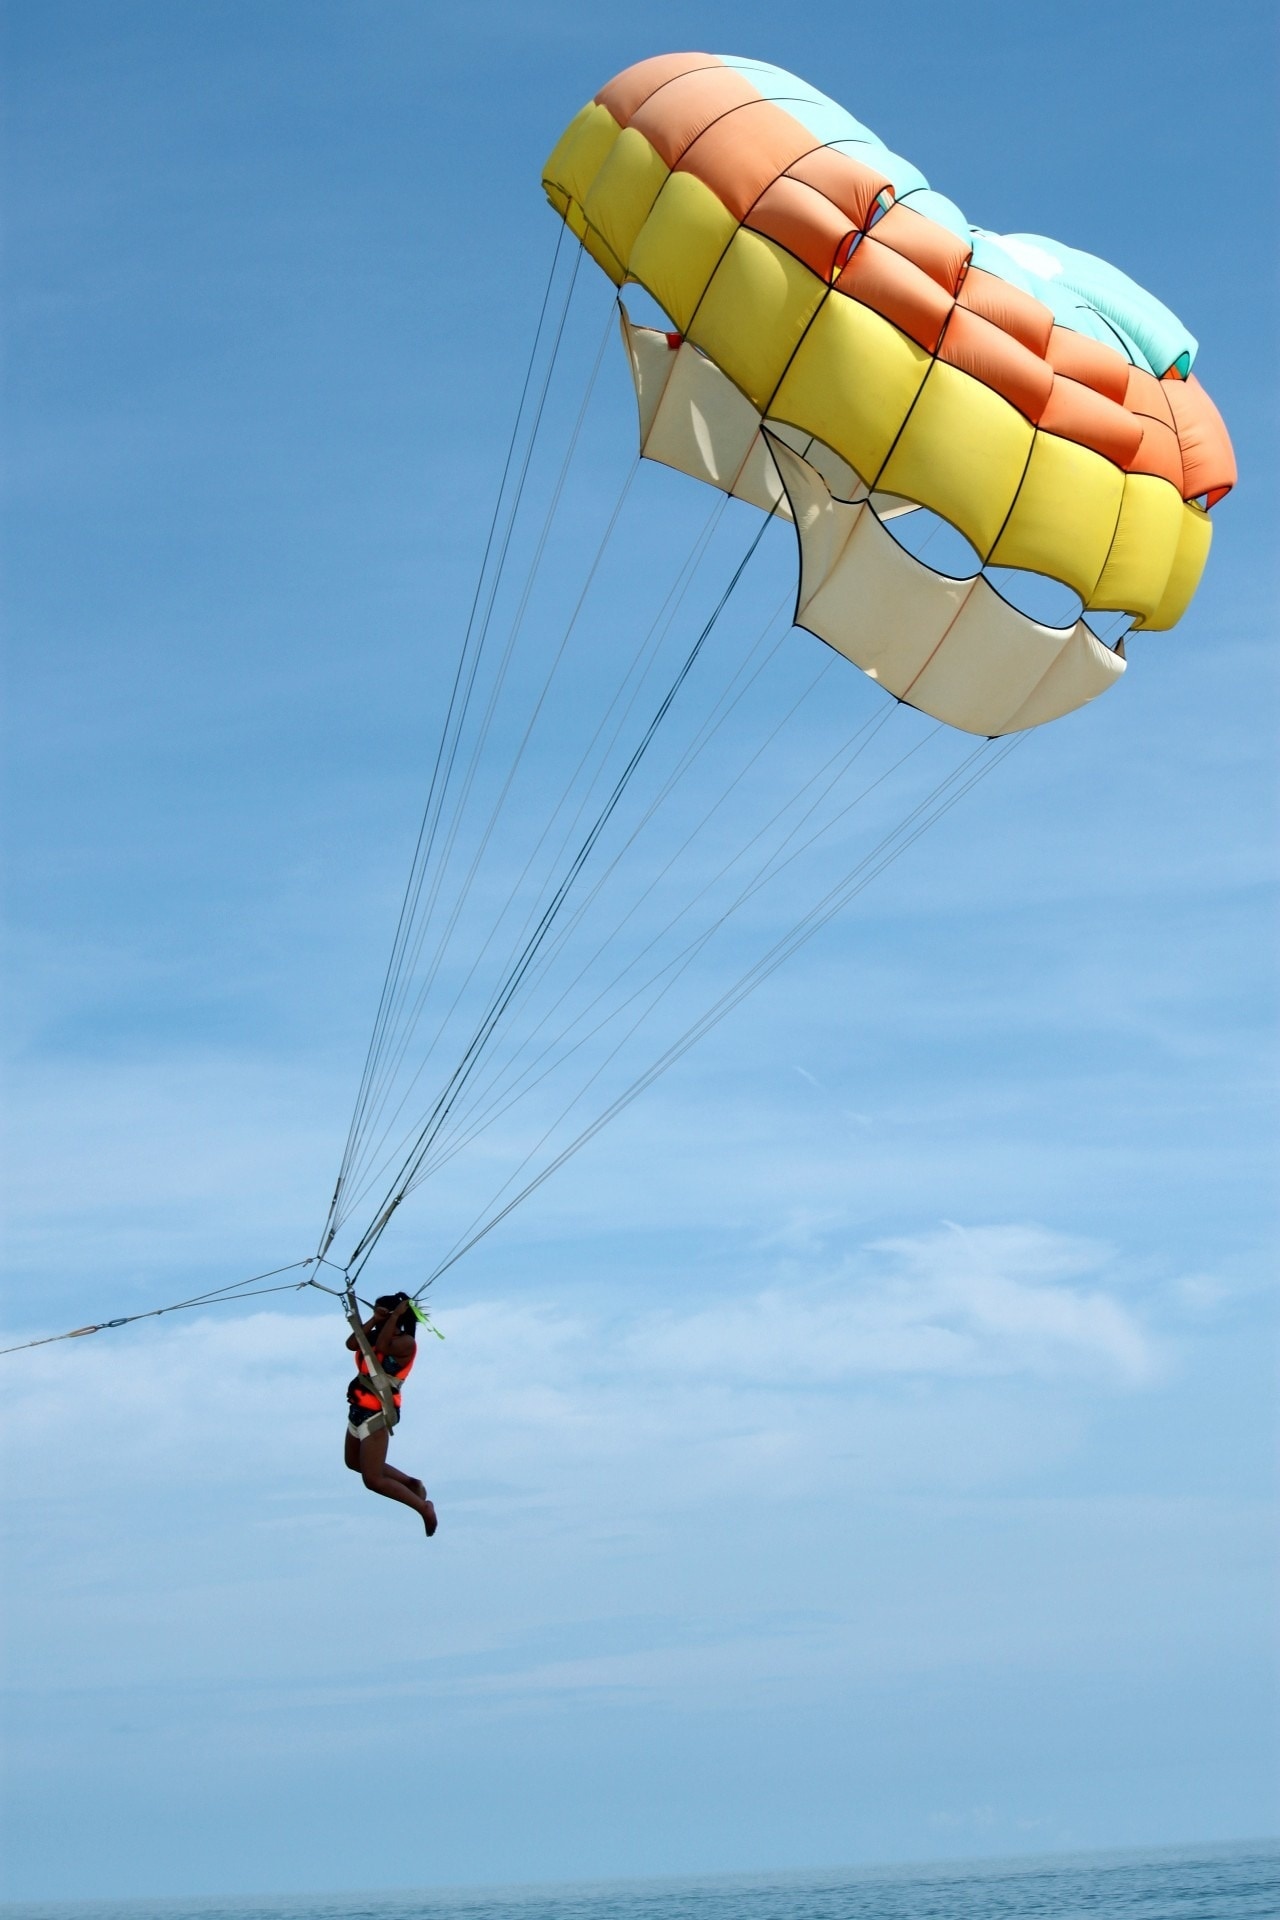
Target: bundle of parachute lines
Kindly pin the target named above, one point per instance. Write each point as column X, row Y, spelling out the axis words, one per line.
column 838, row 347
column 997, row 464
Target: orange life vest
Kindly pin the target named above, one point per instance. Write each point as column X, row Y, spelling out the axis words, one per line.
column 397, row 1371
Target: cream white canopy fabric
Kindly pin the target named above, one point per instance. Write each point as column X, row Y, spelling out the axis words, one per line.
column 953, row 647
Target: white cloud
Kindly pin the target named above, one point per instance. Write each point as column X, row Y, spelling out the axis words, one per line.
column 997, row 1300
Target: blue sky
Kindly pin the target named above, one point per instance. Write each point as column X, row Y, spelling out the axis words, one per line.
column 864, row 1450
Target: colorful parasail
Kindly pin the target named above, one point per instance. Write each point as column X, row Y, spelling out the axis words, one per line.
column 845, row 349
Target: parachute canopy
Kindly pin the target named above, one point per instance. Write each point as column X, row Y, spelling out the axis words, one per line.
column 847, row 348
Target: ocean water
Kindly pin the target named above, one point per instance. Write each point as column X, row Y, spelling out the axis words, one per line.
column 1207, row 1883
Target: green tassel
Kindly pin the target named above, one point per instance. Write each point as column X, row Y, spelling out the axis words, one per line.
column 424, row 1319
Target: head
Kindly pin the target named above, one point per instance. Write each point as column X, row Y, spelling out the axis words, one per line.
column 387, row 1304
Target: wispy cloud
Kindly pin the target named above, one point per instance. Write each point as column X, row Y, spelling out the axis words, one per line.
column 954, row 1302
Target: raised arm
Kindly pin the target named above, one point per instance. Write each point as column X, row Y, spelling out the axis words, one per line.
column 391, row 1343
column 371, row 1327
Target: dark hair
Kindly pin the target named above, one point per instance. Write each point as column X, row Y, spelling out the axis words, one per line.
column 408, row 1322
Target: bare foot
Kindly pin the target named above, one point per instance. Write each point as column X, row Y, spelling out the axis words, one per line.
column 429, row 1520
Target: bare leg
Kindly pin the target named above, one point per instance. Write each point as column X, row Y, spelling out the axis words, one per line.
column 351, row 1459
column 418, row 1486
column 392, row 1485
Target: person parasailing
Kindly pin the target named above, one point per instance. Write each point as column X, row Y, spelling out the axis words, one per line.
column 385, row 1346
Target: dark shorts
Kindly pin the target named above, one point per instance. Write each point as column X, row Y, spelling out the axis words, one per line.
column 363, row 1420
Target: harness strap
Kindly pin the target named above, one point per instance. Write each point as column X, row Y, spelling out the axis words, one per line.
column 378, row 1380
